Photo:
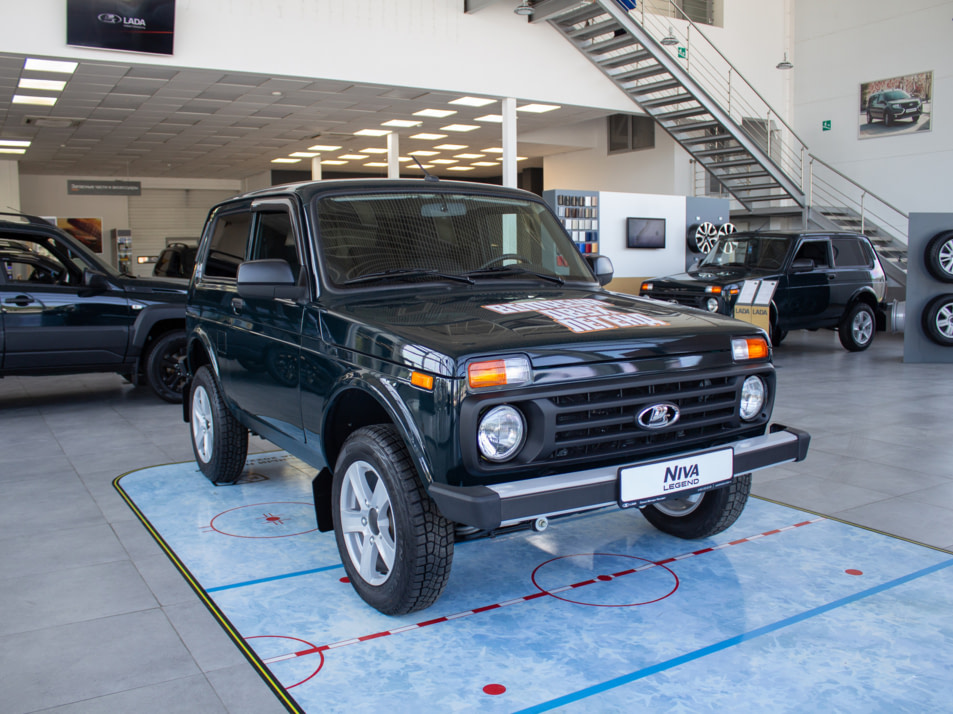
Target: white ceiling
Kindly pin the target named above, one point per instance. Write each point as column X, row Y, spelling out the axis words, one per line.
column 132, row 120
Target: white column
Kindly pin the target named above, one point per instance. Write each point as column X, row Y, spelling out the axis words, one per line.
column 393, row 152
column 9, row 186
column 509, row 142
column 316, row 168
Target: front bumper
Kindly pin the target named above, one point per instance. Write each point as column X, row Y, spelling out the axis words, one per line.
column 504, row 504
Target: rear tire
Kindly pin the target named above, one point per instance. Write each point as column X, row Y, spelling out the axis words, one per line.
column 938, row 320
column 219, row 441
column 857, row 327
column 938, row 256
column 396, row 547
column 701, row 515
column 165, row 366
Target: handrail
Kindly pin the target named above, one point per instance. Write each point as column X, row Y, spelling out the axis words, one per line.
column 851, row 181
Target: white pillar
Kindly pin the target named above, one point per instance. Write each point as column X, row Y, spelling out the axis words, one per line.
column 509, row 142
column 316, row 168
column 9, row 186
column 393, row 152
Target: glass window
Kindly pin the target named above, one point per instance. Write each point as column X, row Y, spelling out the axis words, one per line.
column 849, row 252
column 227, row 247
column 815, row 250
column 275, row 238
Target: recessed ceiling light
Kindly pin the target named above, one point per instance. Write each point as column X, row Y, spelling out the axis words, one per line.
column 355, row 157
column 285, row 161
column 376, row 150
column 436, row 113
column 376, row 163
column 41, row 65
column 14, row 142
column 323, row 147
column 495, row 118
column 372, row 132
column 451, row 147
column 305, row 154
column 493, row 150
column 333, row 162
column 423, row 152
column 47, row 85
column 5, row 150
column 402, row 123
column 486, row 163
column 402, row 159
column 538, row 108
column 472, row 101
column 39, row 101
column 429, row 137
column 459, row 127
column 469, row 156
column 445, row 161
column 460, row 168
column 421, row 166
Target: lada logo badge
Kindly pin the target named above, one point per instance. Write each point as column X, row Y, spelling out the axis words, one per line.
column 658, row 416
column 109, row 18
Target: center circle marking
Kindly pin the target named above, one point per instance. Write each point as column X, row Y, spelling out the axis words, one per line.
column 589, row 573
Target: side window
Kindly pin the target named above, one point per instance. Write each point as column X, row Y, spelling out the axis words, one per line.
column 850, row 253
column 226, row 249
column 815, row 250
column 28, row 261
column 275, row 238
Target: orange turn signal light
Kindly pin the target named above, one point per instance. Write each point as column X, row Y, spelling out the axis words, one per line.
column 419, row 379
column 498, row 372
column 750, row 348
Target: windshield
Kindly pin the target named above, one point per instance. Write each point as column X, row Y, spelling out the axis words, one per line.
column 896, row 94
column 370, row 238
column 751, row 252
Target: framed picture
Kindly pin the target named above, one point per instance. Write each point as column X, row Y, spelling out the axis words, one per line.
column 896, row 106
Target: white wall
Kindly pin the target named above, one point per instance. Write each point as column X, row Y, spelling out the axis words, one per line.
column 840, row 45
column 9, row 186
column 614, row 208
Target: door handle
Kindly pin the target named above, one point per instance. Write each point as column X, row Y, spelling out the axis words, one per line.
column 237, row 305
column 19, row 300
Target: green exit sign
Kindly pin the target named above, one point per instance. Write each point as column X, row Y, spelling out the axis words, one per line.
column 826, row 125
column 682, row 52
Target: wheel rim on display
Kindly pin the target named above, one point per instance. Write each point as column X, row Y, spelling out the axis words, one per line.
column 678, row 507
column 862, row 327
column 945, row 257
column 705, row 237
column 367, row 523
column 203, row 429
column 726, row 230
column 944, row 320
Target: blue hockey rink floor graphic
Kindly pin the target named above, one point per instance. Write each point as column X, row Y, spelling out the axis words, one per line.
column 784, row 611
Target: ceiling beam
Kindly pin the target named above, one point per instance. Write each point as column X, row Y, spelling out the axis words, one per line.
column 471, row 6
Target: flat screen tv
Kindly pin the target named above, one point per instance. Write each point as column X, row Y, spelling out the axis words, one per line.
column 129, row 25
column 645, row 232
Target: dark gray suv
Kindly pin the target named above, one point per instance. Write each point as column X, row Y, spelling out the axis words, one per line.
column 893, row 104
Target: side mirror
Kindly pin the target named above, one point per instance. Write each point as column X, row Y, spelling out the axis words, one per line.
column 272, row 278
column 802, row 265
column 601, row 266
column 94, row 283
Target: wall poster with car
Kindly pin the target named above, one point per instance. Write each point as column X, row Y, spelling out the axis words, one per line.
column 898, row 105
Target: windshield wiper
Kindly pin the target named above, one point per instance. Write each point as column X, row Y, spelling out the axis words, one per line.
column 514, row 269
column 406, row 274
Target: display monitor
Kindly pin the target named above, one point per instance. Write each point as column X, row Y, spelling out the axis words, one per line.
column 645, row 232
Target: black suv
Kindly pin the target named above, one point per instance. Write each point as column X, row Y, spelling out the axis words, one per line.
column 446, row 359
column 823, row 280
column 893, row 104
column 175, row 261
column 64, row 311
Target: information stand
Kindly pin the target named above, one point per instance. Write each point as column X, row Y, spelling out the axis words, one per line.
column 754, row 303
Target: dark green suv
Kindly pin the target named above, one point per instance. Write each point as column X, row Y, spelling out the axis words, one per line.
column 65, row 311
column 451, row 365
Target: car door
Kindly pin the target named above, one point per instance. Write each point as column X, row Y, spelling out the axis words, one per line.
column 52, row 320
column 261, row 371
column 852, row 270
column 803, row 298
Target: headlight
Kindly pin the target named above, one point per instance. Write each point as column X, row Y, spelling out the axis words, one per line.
column 752, row 398
column 501, row 432
column 712, row 305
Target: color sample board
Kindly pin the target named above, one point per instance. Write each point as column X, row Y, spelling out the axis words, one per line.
column 785, row 611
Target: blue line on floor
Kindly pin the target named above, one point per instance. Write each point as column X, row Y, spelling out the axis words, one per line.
column 730, row 642
column 273, row 578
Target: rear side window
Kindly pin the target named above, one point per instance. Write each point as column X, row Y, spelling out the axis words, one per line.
column 227, row 246
column 850, row 253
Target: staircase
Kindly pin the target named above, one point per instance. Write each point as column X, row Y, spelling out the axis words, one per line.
column 666, row 65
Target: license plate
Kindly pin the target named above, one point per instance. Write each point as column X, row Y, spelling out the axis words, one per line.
column 639, row 485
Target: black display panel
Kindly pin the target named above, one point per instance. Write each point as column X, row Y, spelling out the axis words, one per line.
column 130, row 25
column 645, row 232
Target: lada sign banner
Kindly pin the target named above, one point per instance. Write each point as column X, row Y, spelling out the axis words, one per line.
column 130, row 25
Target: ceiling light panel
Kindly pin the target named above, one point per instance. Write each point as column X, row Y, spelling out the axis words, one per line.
column 372, row 132
column 429, row 137
column 537, row 108
column 459, row 127
column 323, row 147
column 354, row 157
column 435, row 113
column 38, row 101
column 41, row 65
column 402, row 123
column 46, row 85
column 491, row 118
column 472, row 101
column 451, row 147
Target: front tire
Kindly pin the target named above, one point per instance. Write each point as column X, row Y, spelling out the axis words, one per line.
column 396, row 547
column 701, row 515
column 938, row 320
column 165, row 366
column 219, row 441
column 857, row 327
column 938, row 256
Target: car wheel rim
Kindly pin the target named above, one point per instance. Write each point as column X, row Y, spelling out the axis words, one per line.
column 945, row 257
column 172, row 369
column 705, row 236
column 862, row 328
column 679, row 507
column 944, row 321
column 367, row 523
column 203, row 430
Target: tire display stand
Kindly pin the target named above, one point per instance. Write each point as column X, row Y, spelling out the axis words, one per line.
column 925, row 289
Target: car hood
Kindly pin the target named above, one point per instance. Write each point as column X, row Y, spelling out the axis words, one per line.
column 441, row 331
column 155, row 287
column 700, row 278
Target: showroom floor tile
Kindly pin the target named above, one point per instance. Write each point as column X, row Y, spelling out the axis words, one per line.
column 57, row 486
